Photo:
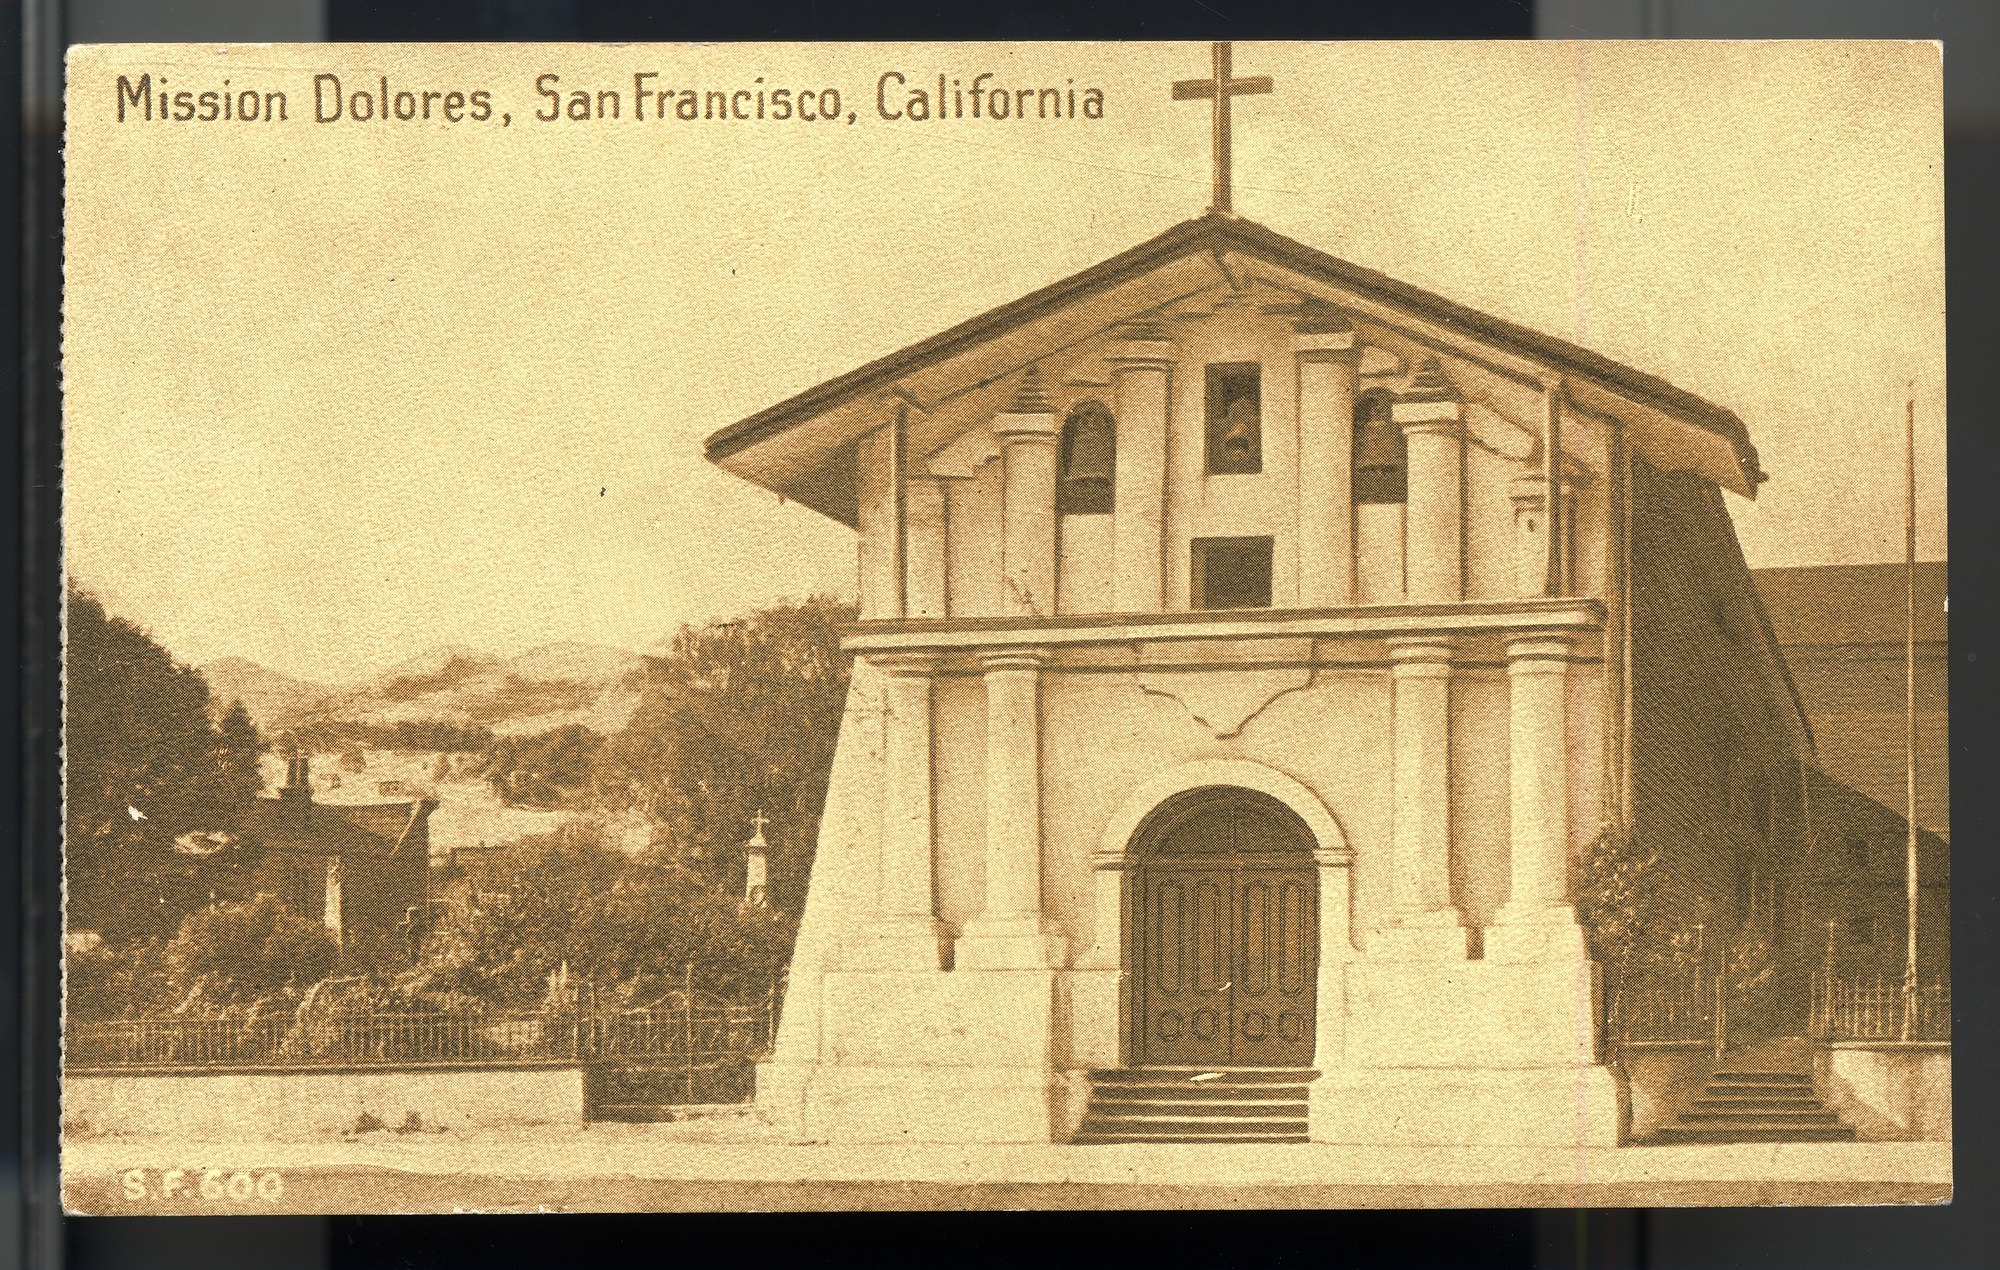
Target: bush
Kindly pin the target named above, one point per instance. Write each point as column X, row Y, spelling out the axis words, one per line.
column 241, row 954
column 630, row 924
column 116, row 981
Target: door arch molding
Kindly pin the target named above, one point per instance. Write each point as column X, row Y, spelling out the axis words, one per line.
column 1120, row 839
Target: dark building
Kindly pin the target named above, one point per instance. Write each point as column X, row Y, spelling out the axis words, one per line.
column 363, row 869
column 1842, row 629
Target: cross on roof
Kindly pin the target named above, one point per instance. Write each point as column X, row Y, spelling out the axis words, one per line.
column 760, row 820
column 1218, row 89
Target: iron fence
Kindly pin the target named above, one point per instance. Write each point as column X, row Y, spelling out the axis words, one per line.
column 1677, row 1007
column 1878, row 1008
column 691, row 1029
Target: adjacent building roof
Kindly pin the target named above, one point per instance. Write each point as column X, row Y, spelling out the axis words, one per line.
column 297, row 824
column 1842, row 629
column 1154, row 273
column 1853, row 603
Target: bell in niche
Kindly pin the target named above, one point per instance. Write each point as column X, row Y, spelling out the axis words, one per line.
column 1090, row 451
column 1089, row 460
column 1239, row 437
column 1378, row 451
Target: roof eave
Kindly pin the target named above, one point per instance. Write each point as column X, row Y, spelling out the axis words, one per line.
column 1216, row 235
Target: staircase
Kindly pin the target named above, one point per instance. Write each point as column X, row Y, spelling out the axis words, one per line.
column 1197, row 1104
column 1744, row 1105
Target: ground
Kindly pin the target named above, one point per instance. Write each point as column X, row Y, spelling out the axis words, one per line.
column 726, row 1162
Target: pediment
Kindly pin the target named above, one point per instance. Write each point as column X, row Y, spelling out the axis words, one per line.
column 946, row 385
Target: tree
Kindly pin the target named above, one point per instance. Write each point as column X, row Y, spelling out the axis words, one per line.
column 737, row 717
column 146, row 762
column 547, row 769
column 629, row 924
column 109, row 981
column 245, row 954
column 237, row 747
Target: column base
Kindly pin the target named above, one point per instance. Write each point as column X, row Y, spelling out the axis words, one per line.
column 896, row 943
column 1547, row 932
column 1422, row 936
column 1008, row 943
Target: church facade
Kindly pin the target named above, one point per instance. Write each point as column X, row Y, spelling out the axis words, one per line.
column 1251, row 649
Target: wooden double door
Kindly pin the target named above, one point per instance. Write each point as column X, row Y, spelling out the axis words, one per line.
column 1227, row 937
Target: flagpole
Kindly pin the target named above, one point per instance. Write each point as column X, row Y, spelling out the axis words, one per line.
column 1910, row 712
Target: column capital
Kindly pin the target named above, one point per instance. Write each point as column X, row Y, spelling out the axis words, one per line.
column 1015, row 659
column 1529, row 492
column 1315, row 354
column 1141, row 346
column 1545, row 651
column 1026, row 429
column 1325, row 335
column 1032, row 416
column 1418, row 657
column 1333, row 857
column 906, row 665
column 1428, row 416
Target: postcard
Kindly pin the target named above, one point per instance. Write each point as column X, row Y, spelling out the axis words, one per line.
column 781, row 626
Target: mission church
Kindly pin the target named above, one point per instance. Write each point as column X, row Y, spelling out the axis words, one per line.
column 1250, row 649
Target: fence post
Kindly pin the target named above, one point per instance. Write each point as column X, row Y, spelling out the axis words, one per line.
column 687, row 1027
column 1721, row 1012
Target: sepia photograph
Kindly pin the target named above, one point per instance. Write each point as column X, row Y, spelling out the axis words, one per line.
column 1035, row 625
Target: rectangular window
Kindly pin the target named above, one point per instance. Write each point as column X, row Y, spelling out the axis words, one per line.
column 1232, row 573
column 1235, row 419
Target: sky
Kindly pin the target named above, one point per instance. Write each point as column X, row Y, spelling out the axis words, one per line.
column 339, row 393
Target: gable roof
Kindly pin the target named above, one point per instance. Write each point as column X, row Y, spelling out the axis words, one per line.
column 343, row 829
column 1213, row 240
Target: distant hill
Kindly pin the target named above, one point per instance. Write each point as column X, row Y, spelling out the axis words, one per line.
column 543, row 688
column 267, row 694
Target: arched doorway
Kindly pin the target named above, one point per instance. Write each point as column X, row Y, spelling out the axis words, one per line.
column 1225, row 947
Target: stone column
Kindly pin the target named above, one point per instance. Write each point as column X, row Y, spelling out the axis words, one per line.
column 1140, row 369
column 1328, row 357
column 879, row 528
column 905, row 934
column 1432, row 418
column 1028, row 434
column 1538, row 922
column 1531, row 539
column 1111, row 874
column 924, row 530
column 1424, row 920
column 333, row 910
column 1336, row 949
column 1010, row 932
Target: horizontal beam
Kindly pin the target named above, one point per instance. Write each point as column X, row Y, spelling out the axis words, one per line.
column 1473, row 617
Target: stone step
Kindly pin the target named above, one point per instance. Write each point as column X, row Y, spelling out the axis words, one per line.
column 1690, row 1134
column 1760, row 1078
column 1759, row 1091
column 632, row 1112
column 1216, row 1076
column 1235, row 1107
column 1117, row 1138
column 1816, row 1115
column 1197, row 1093
column 1732, row 1102
column 1193, row 1125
